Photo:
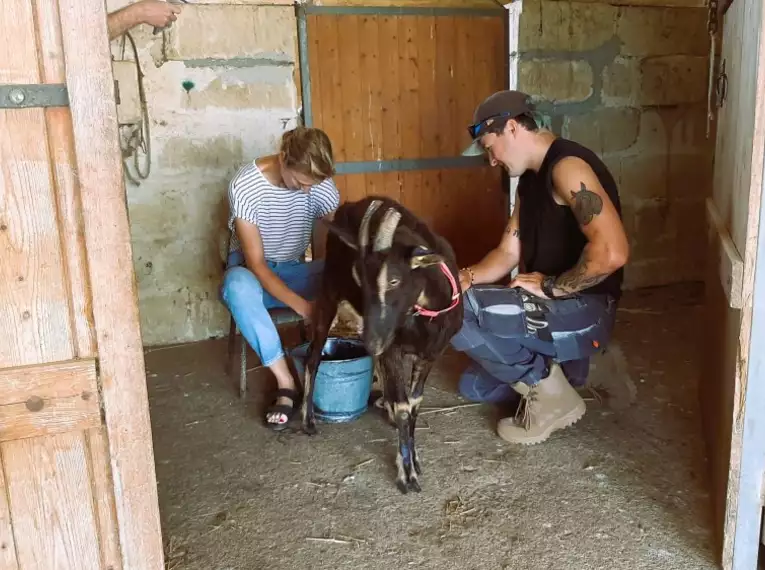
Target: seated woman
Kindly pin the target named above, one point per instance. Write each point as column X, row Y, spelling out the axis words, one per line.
column 273, row 203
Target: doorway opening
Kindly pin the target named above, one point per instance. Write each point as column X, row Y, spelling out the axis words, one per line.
column 631, row 477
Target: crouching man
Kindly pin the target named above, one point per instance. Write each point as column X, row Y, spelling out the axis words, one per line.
column 533, row 340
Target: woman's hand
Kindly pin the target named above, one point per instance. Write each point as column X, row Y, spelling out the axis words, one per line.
column 305, row 310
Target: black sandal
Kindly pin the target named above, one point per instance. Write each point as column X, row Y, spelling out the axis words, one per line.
column 283, row 409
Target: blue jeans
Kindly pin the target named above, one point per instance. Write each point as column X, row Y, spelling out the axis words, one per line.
column 512, row 336
column 249, row 303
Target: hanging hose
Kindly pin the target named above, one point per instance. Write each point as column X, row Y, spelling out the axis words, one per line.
column 139, row 137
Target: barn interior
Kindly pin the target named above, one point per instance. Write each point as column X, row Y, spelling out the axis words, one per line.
column 626, row 487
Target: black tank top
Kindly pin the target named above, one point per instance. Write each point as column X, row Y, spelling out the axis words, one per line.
column 551, row 241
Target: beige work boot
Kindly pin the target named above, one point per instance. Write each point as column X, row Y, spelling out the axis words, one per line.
column 550, row 405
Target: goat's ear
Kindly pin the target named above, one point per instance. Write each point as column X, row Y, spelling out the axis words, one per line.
column 348, row 238
column 408, row 237
column 422, row 257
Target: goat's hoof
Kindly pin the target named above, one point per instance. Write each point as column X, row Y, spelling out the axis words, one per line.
column 309, row 428
column 411, row 484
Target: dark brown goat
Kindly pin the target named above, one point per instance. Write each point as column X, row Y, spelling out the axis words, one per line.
column 402, row 279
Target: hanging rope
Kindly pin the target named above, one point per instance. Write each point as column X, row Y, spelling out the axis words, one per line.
column 139, row 137
column 712, row 27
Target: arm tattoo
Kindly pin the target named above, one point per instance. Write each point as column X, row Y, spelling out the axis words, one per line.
column 587, row 205
column 576, row 278
column 511, row 230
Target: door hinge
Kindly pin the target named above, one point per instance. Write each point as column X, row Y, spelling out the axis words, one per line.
column 28, row 96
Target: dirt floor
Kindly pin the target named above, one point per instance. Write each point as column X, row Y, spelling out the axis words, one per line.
column 623, row 489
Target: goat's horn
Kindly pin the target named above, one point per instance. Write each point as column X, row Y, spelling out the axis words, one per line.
column 364, row 228
column 384, row 237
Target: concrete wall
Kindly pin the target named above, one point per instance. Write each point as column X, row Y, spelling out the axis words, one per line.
column 237, row 63
column 630, row 83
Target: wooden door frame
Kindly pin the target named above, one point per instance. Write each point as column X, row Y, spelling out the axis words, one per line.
column 749, row 504
column 743, row 501
column 122, row 377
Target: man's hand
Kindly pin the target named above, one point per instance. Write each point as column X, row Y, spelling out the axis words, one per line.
column 158, row 13
column 153, row 12
column 531, row 282
column 465, row 280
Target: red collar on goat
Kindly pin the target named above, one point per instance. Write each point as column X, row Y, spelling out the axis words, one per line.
column 422, row 311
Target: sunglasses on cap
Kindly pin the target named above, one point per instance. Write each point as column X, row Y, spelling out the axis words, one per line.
column 475, row 130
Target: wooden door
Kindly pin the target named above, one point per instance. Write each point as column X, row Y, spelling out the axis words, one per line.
column 77, row 483
column 395, row 88
column 732, row 387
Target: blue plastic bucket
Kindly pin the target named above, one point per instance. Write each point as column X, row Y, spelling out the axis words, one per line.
column 343, row 381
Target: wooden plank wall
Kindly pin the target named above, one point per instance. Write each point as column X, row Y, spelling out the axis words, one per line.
column 387, row 87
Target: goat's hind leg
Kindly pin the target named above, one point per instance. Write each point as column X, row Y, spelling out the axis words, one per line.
column 325, row 311
column 397, row 403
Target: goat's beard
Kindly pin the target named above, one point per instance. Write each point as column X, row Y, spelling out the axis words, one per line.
column 377, row 345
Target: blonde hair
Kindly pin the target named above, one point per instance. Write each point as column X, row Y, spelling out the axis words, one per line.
column 308, row 151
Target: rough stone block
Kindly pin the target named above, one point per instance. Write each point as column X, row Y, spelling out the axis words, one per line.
column 689, row 219
column 221, row 152
column 181, row 316
column 643, row 177
column 652, row 135
column 688, row 132
column 558, row 81
column 605, row 130
column 646, row 31
column 565, row 26
column 621, row 81
column 651, row 273
column 179, row 225
column 260, row 90
column 673, row 80
column 629, row 219
column 690, row 176
column 228, row 32
column 114, row 5
column 654, row 233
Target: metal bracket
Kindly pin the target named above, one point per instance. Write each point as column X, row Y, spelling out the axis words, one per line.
column 39, row 95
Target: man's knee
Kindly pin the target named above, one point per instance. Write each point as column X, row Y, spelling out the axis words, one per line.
column 468, row 389
column 478, row 386
column 240, row 283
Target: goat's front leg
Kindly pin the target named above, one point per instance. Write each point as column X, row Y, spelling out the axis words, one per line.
column 324, row 314
column 399, row 408
column 420, row 371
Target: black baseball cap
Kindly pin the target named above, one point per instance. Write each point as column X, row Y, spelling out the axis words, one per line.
column 501, row 106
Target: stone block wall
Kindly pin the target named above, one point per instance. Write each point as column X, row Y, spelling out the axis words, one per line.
column 631, row 83
column 221, row 88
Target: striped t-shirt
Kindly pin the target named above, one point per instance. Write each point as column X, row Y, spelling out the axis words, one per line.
column 284, row 217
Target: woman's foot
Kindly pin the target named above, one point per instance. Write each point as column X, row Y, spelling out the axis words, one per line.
column 283, row 409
